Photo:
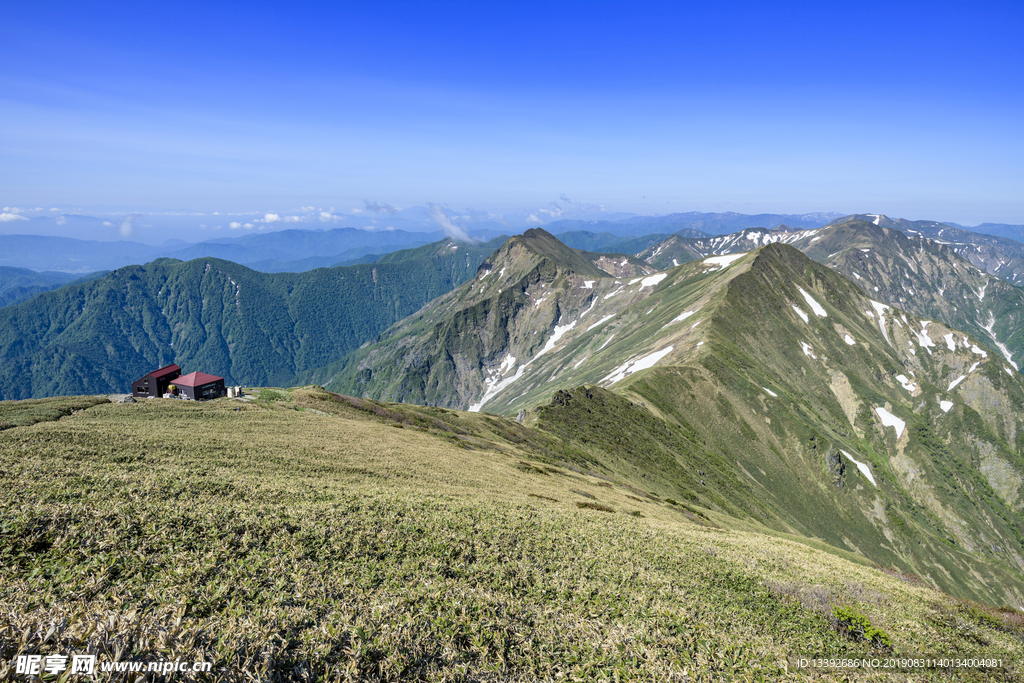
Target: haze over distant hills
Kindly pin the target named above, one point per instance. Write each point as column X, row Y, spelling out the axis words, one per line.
column 302, row 247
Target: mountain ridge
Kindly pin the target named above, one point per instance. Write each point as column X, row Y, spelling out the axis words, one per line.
column 863, row 408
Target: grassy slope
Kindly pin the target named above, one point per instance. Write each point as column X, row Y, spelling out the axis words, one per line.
column 305, row 537
column 947, row 501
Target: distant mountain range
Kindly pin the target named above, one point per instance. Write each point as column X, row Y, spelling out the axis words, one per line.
column 896, row 264
column 273, row 250
column 706, row 223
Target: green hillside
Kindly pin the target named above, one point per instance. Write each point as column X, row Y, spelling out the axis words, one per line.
column 215, row 316
column 317, row 537
column 761, row 381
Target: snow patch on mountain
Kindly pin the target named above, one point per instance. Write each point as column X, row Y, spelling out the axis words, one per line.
column 890, row 420
column 558, row 333
column 801, row 314
column 907, row 384
column 652, row 280
column 864, row 469
column 999, row 345
column 684, row 315
column 815, row 306
column 880, row 309
column 631, row 366
column 494, row 385
column 723, row 261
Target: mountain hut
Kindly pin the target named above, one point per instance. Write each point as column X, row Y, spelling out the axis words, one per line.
column 155, row 383
column 200, row 386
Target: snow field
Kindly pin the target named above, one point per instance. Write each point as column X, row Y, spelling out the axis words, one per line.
column 864, row 469
column 815, row 306
column 890, row 420
column 631, row 366
column 724, row 261
column 907, row 384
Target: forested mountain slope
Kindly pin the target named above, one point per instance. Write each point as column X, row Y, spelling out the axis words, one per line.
column 215, row 316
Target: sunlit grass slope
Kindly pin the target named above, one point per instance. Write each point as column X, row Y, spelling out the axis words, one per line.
column 304, row 536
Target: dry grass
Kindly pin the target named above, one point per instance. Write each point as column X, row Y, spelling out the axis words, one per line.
column 284, row 544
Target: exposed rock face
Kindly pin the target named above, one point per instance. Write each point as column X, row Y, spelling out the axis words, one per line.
column 836, row 467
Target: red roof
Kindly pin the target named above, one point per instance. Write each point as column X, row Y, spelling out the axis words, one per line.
column 157, row 374
column 196, row 379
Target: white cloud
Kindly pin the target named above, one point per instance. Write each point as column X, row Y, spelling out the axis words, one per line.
column 248, row 226
column 234, row 225
column 127, row 226
column 216, row 213
column 307, row 208
column 8, row 217
column 108, row 223
column 278, row 218
column 553, row 210
column 61, row 220
column 436, row 212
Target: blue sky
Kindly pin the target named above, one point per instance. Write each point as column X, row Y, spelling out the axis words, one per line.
column 908, row 109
